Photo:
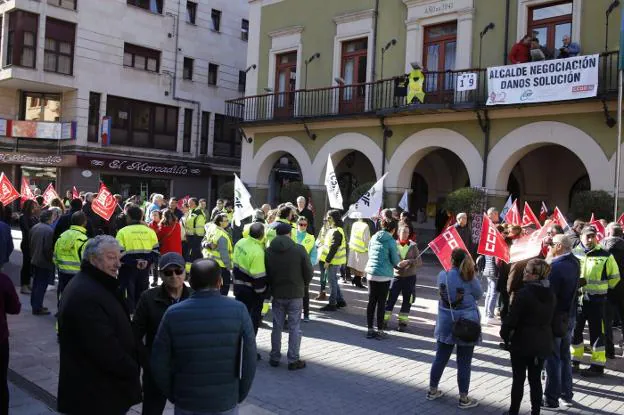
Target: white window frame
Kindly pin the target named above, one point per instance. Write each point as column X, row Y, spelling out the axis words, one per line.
column 284, row 41
column 422, row 13
column 523, row 17
column 352, row 26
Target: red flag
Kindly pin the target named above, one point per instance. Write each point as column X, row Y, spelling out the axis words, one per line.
column 8, row 193
column 513, row 215
column 601, row 232
column 104, row 203
column 75, row 193
column 491, row 242
column 49, row 195
column 25, row 191
column 621, row 220
column 182, row 201
column 592, row 219
column 543, row 213
column 444, row 244
column 559, row 219
column 529, row 218
column 527, row 247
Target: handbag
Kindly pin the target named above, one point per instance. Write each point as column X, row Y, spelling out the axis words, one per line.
column 463, row 329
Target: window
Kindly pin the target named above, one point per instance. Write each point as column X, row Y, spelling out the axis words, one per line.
column 94, row 117
column 66, row 4
column 212, row 73
column 188, row 127
column 440, row 50
column 205, row 129
column 216, row 20
column 191, row 11
column 142, row 124
column 549, row 23
column 40, row 107
column 187, row 71
column 242, row 81
column 141, row 58
column 227, row 141
column 354, row 69
column 59, row 46
column 154, row 6
column 285, row 82
column 245, row 30
column 22, row 39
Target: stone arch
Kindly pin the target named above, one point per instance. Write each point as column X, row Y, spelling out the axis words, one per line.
column 413, row 149
column 267, row 155
column 521, row 141
column 339, row 146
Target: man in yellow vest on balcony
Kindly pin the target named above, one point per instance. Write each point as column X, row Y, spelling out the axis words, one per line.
column 599, row 274
column 68, row 250
column 334, row 255
column 217, row 245
column 358, row 250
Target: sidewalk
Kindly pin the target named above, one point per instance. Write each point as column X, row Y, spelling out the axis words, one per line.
column 346, row 373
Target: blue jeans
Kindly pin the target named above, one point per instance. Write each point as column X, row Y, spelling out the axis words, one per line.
column 283, row 308
column 41, row 279
column 464, row 360
column 491, row 298
column 559, row 369
column 180, row 411
column 332, row 275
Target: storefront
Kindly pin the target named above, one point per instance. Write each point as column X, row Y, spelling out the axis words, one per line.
column 39, row 169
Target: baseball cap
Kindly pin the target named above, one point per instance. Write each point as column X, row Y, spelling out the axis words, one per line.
column 588, row 230
column 171, row 258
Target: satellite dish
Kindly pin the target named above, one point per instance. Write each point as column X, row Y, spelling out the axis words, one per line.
column 87, row 173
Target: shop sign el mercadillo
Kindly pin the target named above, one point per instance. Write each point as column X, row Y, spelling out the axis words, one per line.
column 141, row 167
column 37, row 159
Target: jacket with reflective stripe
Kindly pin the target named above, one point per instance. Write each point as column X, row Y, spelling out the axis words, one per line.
column 271, row 233
column 195, row 223
column 249, row 266
column 139, row 242
column 599, row 269
column 358, row 242
column 211, row 247
column 341, row 254
column 68, row 249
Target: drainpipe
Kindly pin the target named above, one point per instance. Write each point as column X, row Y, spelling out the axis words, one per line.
column 484, row 123
column 175, row 80
column 506, row 31
column 374, row 51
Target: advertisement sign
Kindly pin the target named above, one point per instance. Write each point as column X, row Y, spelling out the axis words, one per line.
column 43, row 130
column 543, row 81
column 37, row 159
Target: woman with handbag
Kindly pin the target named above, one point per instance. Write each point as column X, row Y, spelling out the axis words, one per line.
column 457, row 324
column 528, row 333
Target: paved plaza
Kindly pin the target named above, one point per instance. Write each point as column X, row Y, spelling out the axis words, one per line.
column 346, row 373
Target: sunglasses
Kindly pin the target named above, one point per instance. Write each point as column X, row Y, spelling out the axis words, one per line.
column 303, row 224
column 170, row 272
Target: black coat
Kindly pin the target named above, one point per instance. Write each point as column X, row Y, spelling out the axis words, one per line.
column 615, row 246
column 149, row 312
column 64, row 223
column 99, row 369
column 528, row 326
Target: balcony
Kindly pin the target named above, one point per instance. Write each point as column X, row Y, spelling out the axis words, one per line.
column 444, row 91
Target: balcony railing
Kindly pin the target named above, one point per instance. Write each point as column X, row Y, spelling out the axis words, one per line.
column 387, row 96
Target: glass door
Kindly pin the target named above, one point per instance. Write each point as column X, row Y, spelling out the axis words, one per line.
column 285, row 84
column 440, row 50
column 354, row 64
column 550, row 23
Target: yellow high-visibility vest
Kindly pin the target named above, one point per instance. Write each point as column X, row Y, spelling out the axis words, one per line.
column 356, row 241
column 341, row 255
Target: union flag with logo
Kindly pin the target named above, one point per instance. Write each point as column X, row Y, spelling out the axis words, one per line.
column 75, row 193
column 49, row 195
column 491, row 242
column 601, row 232
column 25, row 192
column 104, row 203
column 529, row 218
column 444, row 244
column 8, row 193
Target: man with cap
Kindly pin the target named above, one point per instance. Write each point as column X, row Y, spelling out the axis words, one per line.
column 599, row 274
column 149, row 312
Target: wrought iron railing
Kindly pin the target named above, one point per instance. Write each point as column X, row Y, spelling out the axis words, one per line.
column 388, row 95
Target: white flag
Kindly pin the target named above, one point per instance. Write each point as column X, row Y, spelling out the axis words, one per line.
column 369, row 204
column 331, row 183
column 242, row 202
column 404, row 203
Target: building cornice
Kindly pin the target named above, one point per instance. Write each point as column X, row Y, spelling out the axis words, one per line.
column 286, row 31
column 354, row 16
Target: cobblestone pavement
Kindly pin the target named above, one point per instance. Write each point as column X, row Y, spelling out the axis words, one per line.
column 346, row 373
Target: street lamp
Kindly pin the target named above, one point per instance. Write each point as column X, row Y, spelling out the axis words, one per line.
column 250, row 68
column 486, row 29
column 307, row 62
column 392, row 42
column 610, row 9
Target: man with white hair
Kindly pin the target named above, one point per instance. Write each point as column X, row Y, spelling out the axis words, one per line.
column 157, row 202
column 564, row 279
column 99, row 370
column 302, row 210
column 492, row 213
column 569, row 48
column 42, row 252
column 463, row 230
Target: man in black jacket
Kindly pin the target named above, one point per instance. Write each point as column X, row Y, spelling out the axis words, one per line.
column 99, row 368
column 614, row 307
column 64, row 222
column 150, row 310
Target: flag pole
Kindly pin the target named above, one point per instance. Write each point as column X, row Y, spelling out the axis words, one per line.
column 618, row 158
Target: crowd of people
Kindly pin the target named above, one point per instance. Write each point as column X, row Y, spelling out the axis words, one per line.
column 111, row 324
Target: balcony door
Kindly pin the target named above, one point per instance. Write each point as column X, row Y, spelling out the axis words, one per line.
column 440, row 49
column 353, row 72
column 285, row 84
column 550, row 23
